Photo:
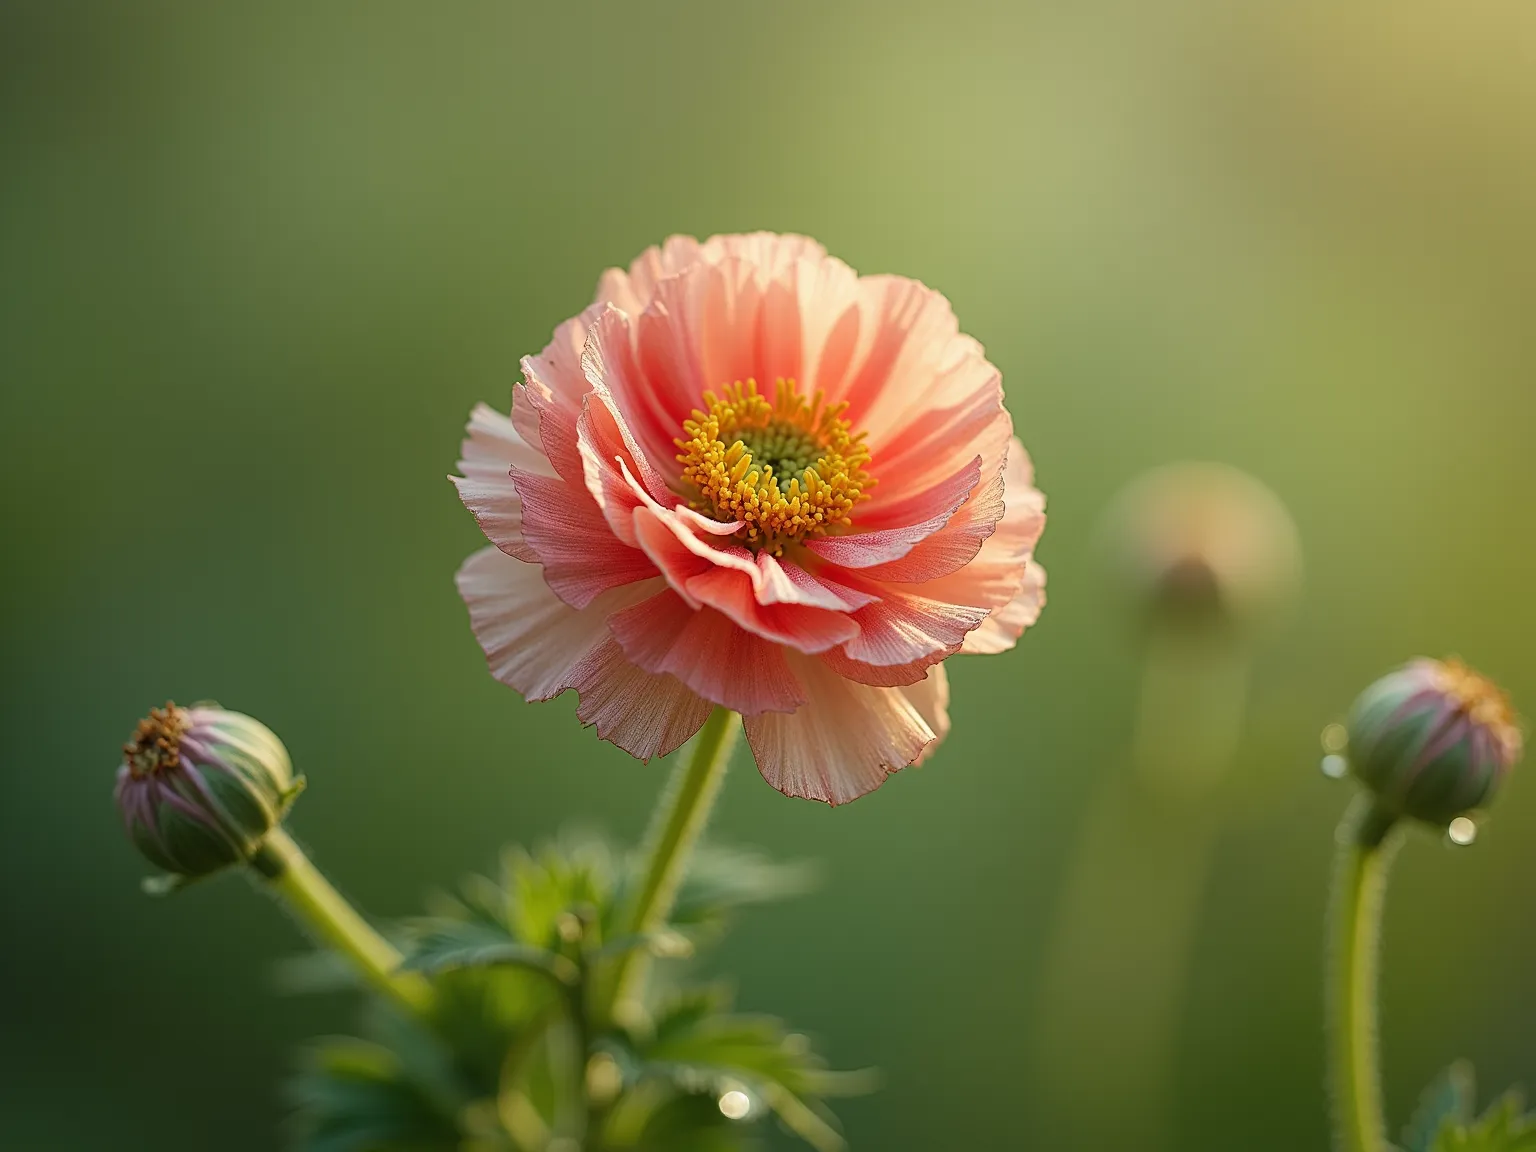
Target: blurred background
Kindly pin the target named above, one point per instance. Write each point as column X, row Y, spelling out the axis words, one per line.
column 258, row 261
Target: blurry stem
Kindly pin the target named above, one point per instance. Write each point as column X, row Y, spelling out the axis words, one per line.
column 1359, row 883
column 335, row 923
column 679, row 818
column 1130, row 900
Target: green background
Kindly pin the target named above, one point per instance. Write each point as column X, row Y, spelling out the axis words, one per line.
column 258, row 261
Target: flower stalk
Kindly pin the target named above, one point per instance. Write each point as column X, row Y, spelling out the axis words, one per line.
column 680, row 817
column 1366, row 845
column 335, row 923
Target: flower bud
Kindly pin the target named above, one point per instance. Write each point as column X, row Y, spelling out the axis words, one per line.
column 1432, row 740
column 200, row 787
column 1203, row 544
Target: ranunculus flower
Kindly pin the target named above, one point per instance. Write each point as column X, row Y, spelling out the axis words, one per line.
column 748, row 477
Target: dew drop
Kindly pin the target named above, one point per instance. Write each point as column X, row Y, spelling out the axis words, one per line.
column 734, row 1105
column 1463, row 831
column 1335, row 738
column 1335, row 767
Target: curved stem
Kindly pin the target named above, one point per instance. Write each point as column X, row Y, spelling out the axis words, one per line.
column 1359, row 883
column 679, row 818
column 335, row 923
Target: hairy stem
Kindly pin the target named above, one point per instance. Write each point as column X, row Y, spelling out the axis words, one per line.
column 1366, row 845
column 679, row 818
column 335, row 923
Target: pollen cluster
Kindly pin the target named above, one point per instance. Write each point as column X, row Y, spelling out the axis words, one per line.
column 1482, row 700
column 156, row 742
column 788, row 468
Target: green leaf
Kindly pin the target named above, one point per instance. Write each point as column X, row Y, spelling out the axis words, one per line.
column 701, row 1051
column 442, row 945
column 355, row 1096
column 1503, row 1128
column 1450, row 1099
column 721, row 879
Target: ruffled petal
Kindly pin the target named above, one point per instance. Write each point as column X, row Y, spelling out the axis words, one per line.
column 540, row 646
column 1001, row 630
column 491, row 448
column 845, row 741
column 568, row 534
column 708, row 652
column 633, row 289
column 915, row 519
column 930, row 696
column 903, row 627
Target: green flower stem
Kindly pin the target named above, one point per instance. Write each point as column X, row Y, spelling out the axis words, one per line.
column 335, row 923
column 1359, row 884
column 680, row 816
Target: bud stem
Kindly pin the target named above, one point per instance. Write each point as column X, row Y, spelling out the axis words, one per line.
column 335, row 923
column 679, row 818
column 1366, row 845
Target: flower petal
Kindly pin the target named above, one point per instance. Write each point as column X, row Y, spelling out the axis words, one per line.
column 930, row 696
column 489, row 451
column 913, row 520
column 540, row 646
column 566, row 530
column 845, row 741
column 634, row 288
column 707, row 651
column 1001, row 630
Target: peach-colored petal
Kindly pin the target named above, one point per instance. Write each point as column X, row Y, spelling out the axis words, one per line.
column 697, row 335
column 800, row 626
column 915, row 519
column 567, row 532
column 540, row 646
column 634, row 288
column 488, row 454
column 930, row 696
column 707, row 651
column 903, row 626
column 845, row 741
column 610, row 461
column 1001, row 630
column 883, row 675
column 953, row 544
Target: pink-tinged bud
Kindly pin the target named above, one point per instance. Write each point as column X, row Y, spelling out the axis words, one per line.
column 1433, row 741
column 200, row 787
column 1201, row 544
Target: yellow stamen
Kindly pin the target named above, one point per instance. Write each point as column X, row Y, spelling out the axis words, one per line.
column 788, row 469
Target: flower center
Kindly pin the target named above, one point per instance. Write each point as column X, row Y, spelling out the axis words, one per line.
column 788, row 469
column 156, row 742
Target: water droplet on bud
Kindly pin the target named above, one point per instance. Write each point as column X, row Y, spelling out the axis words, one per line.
column 1335, row 767
column 1462, row 831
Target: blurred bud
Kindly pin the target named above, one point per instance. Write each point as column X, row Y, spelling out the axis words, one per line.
column 1432, row 740
column 1202, row 544
column 200, row 787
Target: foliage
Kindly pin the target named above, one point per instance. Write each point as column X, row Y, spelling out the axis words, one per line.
column 1446, row 1120
column 515, row 1057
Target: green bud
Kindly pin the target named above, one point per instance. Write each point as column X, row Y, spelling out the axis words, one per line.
column 200, row 787
column 1433, row 741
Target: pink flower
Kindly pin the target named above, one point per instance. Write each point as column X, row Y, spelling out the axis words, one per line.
column 748, row 477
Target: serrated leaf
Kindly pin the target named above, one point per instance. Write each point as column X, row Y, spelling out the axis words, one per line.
column 355, row 1096
column 1450, row 1099
column 1503, row 1128
column 443, row 945
column 721, row 879
column 703, row 1052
